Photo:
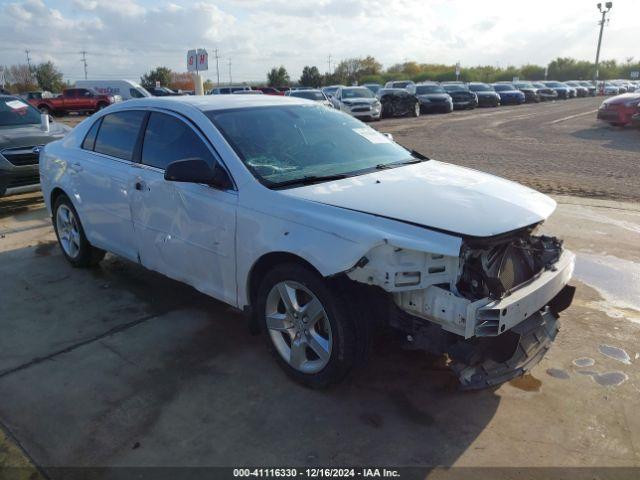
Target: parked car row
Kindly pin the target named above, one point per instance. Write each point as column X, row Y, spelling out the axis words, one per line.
column 407, row 98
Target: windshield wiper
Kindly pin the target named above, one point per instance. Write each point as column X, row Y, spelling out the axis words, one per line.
column 309, row 180
column 418, row 158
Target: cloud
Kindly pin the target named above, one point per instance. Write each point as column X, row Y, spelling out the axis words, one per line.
column 125, row 38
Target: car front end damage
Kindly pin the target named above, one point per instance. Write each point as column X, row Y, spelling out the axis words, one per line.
column 493, row 310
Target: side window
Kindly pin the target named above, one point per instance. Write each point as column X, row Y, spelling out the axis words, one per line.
column 118, row 134
column 90, row 140
column 71, row 93
column 168, row 139
column 135, row 93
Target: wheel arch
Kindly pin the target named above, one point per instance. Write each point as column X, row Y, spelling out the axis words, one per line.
column 265, row 263
column 55, row 194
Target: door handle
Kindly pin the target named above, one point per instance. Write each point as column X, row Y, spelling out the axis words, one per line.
column 139, row 185
column 76, row 167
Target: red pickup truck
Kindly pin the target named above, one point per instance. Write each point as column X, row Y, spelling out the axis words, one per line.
column 73, row 100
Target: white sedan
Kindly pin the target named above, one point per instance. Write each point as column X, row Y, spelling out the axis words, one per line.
column 317, row 226
column 359, row 102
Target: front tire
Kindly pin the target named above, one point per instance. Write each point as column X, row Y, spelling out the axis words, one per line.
column 71, row 238
column 308, row 326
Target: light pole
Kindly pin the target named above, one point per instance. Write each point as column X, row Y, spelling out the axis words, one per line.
column 607, row 7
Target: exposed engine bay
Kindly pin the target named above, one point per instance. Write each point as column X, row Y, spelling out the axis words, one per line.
column 495, row 270
column 493, row 310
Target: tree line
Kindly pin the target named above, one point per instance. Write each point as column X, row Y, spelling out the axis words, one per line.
column 369, row 70
column 46, row 76
column 43, row 76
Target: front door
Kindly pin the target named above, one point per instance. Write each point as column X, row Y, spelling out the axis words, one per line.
column 185, row 231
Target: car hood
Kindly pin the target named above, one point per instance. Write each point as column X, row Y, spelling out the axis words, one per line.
column 486, row 93
column 436, row 195
column 510, row 92
column 27, row 135
column 625, row 97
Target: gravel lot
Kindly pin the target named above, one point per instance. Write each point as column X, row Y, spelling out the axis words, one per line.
column 118, row 366
column 556, row 147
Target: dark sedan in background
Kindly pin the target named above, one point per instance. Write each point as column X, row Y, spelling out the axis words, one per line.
column 545, row 93
column 561, row 89
column 398, row 102
column 433, row 98
column 589, row 86
column 461, row 95
column 509, row 95
column 22, row 135
column 530, row 92
column 581, row 90
column 487, row 96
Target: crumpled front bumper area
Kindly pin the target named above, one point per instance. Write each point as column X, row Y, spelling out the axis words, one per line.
column 534, row 338
column 483, row 362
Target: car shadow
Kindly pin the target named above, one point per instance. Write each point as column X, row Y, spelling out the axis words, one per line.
column 17, row 204
column 181, row 381
column 617, row 138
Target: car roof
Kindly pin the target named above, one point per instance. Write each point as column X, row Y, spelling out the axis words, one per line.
column 207, row 103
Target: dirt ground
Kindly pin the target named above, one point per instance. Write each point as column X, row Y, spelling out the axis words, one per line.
column 118, row 366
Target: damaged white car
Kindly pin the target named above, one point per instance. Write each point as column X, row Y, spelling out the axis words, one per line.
column 317, row 226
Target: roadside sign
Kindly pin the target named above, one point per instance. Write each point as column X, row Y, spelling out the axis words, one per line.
column 458, row 71
column 191, row 60
column 635, row 75
column 203, row 60
column 197, row 60
column 157, row 83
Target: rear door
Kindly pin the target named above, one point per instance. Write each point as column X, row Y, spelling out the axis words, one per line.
column 184, row 230
column 104, row 180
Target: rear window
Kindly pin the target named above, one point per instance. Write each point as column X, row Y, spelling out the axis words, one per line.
column 14, row 111
column 90, row 140
column 118, row 134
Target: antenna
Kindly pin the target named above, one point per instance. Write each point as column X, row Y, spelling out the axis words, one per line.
column 28, row 59
column 84, row 61
column 217, row 67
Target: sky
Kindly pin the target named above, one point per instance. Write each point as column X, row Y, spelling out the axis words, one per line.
column 125, row 38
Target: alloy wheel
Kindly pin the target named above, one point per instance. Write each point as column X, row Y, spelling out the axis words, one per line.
column 298, row 326
column 68, row 231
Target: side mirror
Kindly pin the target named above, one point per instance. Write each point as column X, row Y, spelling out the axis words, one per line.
column 196, row 170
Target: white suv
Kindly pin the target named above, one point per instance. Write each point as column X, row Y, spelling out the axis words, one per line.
column 318, row 227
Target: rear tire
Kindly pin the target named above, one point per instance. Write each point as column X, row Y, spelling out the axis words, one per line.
column 71, row 238
column 308, row 326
